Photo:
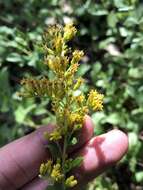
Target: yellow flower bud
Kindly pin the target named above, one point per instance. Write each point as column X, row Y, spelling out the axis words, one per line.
column 77, row 55
column 58, row 43
column 78, row 83
column 42, row 170
column 69, row 31
column 71, row 181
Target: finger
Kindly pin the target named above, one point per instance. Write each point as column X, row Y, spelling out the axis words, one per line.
column 36, row 184
column 21, row 159
column 99, row 153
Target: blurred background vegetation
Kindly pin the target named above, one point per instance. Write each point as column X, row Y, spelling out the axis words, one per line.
column 111, row 35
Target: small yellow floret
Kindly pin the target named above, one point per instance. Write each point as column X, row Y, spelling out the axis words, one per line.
column 75, row 118
column 80, row 99
column 77, row 55
column 71, row 181
column 95, row 100
column 71, row 70
column 56, row 172
column 58, row 43
column 54, row 136
column 69, row 31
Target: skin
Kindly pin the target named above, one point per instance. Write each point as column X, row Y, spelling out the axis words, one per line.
column 21, row 159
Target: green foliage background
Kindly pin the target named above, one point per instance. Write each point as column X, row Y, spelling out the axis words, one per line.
column 111, row 34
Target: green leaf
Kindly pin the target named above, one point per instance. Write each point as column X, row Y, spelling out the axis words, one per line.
column 14, row 57
column 96, row 10
column 123, row 31
column 113, row 118
column 98, row 119
column 5, row 91
column 136, row 73
column 76, row 162
column 6, row 30
column 139, row 176
column 83, row 69
column 126, row 8
column 22, row 112
column 112, row 20
column 133, row 140
column 73, row 163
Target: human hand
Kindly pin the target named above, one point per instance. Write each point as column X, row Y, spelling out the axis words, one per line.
column 21, row 159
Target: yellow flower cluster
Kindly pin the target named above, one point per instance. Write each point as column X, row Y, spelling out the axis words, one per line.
column 50, row 170
column 55, row 173
column 95, row 100
column 35, row 87
column 57, row 64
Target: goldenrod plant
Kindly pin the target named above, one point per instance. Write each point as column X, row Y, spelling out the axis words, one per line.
column 69, row 103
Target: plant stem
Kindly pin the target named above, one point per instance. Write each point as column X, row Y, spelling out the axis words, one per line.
column 63, row 159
